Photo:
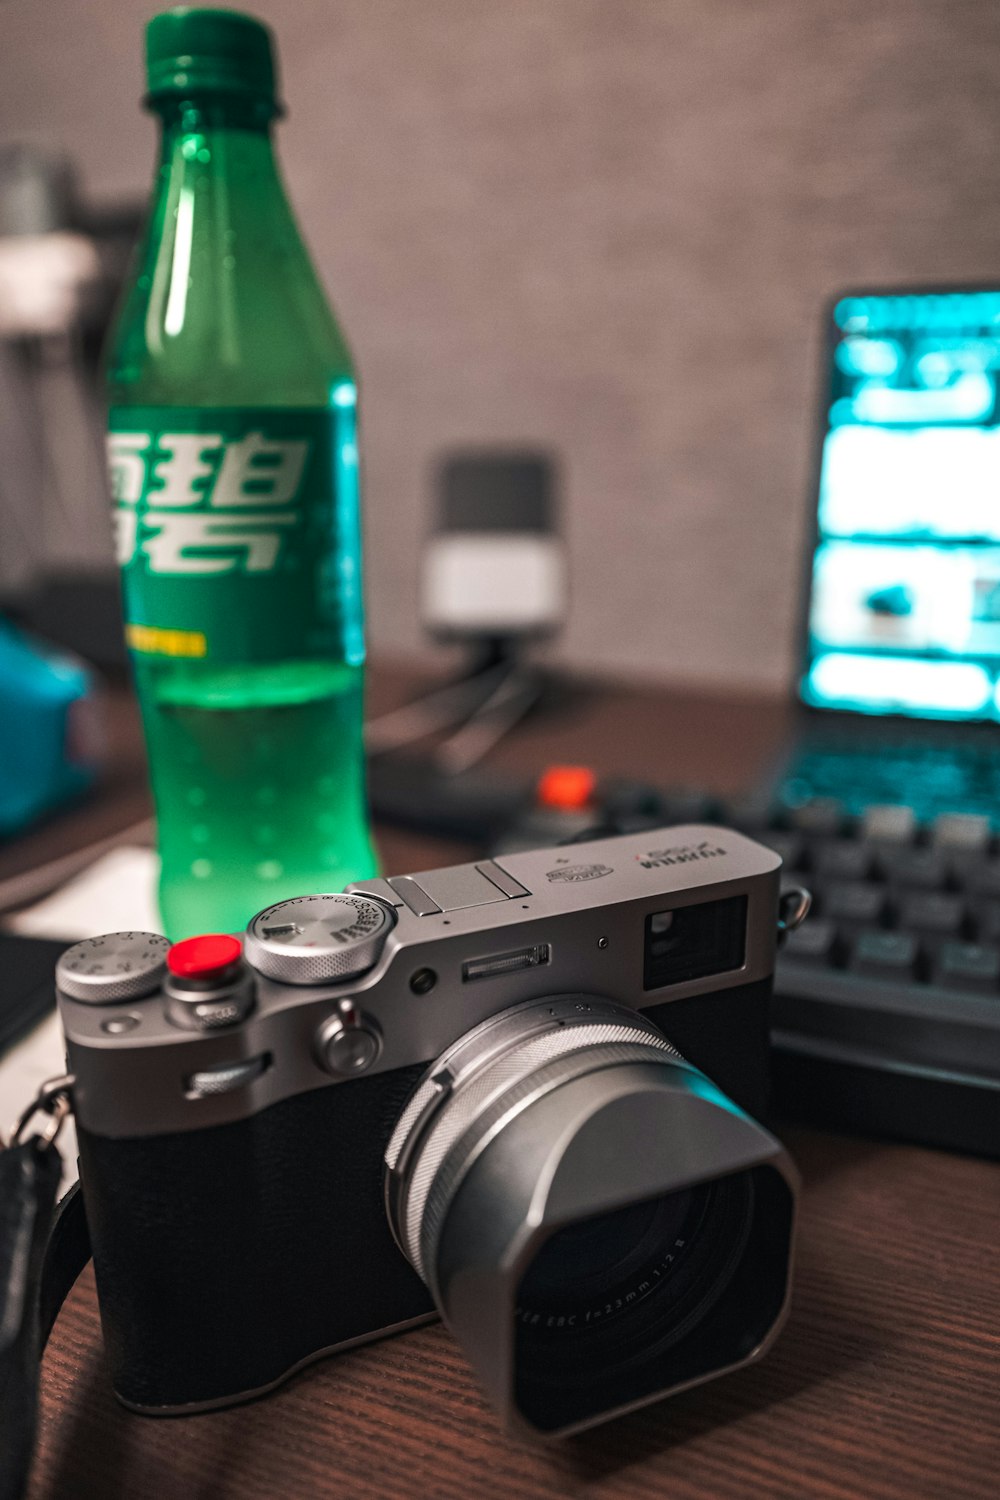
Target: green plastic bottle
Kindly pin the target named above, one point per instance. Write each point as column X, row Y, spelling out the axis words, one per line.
column 234, row 472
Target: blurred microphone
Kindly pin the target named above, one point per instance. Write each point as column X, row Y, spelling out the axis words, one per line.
column 494, row 570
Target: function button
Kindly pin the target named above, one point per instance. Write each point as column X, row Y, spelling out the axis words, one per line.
column 566, row 788
column 119, row 1025
column 887, row 823
column 855, row 902
column 917, row 869
column 885, row 955
column 969, row 966
column 118, row 966
column 966, row 831
column 814, row 942
column 843, row 859
column 205, row 958
column 931, row 912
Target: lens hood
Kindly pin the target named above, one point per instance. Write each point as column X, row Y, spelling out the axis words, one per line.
column 598, row 1223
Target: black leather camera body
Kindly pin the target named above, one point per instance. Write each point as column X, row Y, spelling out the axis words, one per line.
column 524, row 1095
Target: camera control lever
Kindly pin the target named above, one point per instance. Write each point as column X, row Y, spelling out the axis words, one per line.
column 349, row 1041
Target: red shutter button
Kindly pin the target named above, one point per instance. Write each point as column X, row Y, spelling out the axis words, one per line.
column 567, row 788
column 205, row 958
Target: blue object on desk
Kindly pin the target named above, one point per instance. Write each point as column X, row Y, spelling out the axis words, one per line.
column 48, row 750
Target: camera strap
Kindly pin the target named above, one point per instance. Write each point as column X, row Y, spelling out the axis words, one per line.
column 43, row 1249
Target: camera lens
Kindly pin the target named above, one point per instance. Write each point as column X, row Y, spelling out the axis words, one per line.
column 594, row 1272
column 597, row 1222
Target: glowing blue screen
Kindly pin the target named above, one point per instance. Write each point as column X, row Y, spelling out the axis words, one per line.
column 904, row 609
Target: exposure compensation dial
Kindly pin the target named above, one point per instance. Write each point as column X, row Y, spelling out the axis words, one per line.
column 118, row 966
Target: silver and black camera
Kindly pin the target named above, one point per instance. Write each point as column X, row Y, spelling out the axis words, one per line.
column 522, row 1094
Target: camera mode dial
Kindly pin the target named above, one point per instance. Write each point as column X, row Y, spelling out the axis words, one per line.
column 312, row 939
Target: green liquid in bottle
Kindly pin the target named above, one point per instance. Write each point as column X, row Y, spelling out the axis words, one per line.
column 235, row 474
column 258, row 789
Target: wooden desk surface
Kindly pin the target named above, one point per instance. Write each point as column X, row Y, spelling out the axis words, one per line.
column 886, row 1381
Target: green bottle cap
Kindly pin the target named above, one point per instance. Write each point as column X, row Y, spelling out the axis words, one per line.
column 191, row 51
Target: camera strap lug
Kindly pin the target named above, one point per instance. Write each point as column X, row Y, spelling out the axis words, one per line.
column 794, row 905
column 54, row 1100
column 43, row 1249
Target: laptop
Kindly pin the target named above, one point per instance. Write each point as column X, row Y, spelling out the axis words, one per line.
column 900, row 629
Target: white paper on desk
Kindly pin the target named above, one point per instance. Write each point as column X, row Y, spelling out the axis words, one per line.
column 117, row 893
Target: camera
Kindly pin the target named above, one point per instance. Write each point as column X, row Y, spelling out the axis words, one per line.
column 522, row 1094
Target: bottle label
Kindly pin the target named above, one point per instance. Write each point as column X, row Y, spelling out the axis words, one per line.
column 238, row 530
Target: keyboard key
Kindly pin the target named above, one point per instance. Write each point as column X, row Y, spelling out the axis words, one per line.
column 821, row 815
column 751, row 810
column 969, row 966
column 932, row 912
column 885, row 955
column 843, row 859
column 981, row 877
column 621, row 798
column 687, row 805
column 814, row 942
column 918, row 869
column 887, row 823
column 856, row 902
column 986, row 917
column 961, row 831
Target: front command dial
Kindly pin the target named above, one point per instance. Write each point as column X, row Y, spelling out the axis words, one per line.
column 310, row 939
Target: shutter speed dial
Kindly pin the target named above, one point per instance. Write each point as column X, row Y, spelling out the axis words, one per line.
column 312, row 939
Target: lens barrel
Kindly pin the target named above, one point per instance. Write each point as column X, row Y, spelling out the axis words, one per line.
column 596, row 1221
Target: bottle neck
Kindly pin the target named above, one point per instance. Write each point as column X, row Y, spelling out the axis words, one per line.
column 214, row 113
column 220, row 137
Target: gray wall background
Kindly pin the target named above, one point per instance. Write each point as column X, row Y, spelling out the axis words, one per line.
column 604, row 225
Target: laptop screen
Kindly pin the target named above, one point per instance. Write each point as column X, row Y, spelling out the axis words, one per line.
column 904, row 600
